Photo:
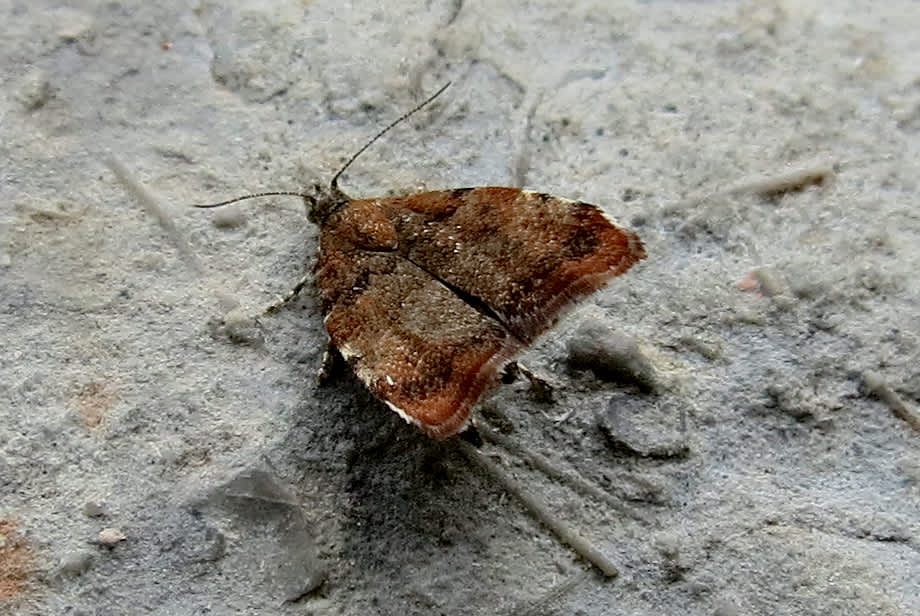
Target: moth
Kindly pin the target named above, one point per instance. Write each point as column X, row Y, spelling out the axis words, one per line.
column 428, row 296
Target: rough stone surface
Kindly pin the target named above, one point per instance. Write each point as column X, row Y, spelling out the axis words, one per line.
column 122, row 385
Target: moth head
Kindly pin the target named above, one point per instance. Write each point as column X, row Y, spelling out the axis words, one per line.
column 323, row 202
column 320, row 203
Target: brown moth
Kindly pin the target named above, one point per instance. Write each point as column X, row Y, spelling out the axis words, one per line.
column 428, row 296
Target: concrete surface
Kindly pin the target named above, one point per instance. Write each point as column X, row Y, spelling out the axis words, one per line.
column 163, row 453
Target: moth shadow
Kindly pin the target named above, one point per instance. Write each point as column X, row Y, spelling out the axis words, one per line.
column 408, row 501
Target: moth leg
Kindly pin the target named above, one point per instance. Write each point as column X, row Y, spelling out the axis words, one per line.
column 510, row 373
column 291, row 296
column 333, row 364
column 540, row 389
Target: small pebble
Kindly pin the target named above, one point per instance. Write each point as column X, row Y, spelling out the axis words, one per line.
column 92, row 509
column 34, row 90
column 76, row 563
column 610, row 355
column 72, row 24
column 110, row 537
column 709, row 350
column 770, row 282
column 228, row 218
column 652, row 433
column 239, row 327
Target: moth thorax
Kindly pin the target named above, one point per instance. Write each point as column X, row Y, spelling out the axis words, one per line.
column 326, row 201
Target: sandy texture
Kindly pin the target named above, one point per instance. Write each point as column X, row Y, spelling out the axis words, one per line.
column 161, row 452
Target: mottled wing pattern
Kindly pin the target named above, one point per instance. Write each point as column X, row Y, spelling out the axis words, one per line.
column 419, row 347
column 527, row 256
column 427, row 296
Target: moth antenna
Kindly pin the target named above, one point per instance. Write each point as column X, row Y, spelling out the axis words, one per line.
column 273, row 193
column 335, row 179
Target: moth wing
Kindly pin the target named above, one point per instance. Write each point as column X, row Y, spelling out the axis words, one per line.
column 526, row 256
column 412, row 341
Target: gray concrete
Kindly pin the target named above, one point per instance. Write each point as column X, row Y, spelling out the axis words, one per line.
column 140, row 400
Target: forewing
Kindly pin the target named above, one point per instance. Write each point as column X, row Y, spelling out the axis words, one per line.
column 526, row 256
column 415, row 344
